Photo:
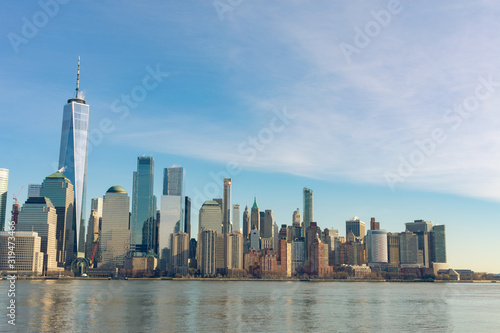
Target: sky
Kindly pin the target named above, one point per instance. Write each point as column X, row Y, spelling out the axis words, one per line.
column 385, row 109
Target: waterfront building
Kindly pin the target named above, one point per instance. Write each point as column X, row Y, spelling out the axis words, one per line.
column 73, row 156
column 308, row 207
column 408, row 250
column 114, row 244
column 179, row 253
column 255, row 215
column 393, row 249
column 438, row 244
column 38, row 214
column 376, row 243
column 352, row 252
column 356, row 226
column 172, row 217
column 4, row 186
column 318, row 259
column 34, row 190
column 207, row 253
column 28, row 258
column 59, row 189
column 142, row 221
column 298, row 254
column 226, row 218
column 422, row 229
column 235, row 250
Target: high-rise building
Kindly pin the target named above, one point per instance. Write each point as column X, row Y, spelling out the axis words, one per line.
column 422, row 229
column 226, row 217
column 393, row 249
column 39, row 215
column 34, row 190
column 255, row 239
column 356, row 226
column 4, row 185
column 73, row 155
column 29, row 257
column 312, row 233
column 374, row 225
column 59, row 189
column 296, row 218
column 187, row 216
column 142, row 222
column 266, row 224
column 438, row 244
column 210, row 217
column 255, row 215
column 235, row 250
column 376, row 241
column 172, row 218
column 247, row 226
column 115, row 243
column 236, row 218
column 408, row 249
column 298, row 254
column 207, row 253
column 179, row 252
column 308, row 207
column 93, row 230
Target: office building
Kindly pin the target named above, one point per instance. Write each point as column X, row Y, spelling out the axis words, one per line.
column 255, row 215
column 393, row 249
column 298, row 254
column 172, row 218
column 210, row 217
column 187, row 216
column 235, row 250
column 236, row 219
column 39, row 215
column 422, row 229
column 296, row 219
column 408, row 250
column 142, row 221
column 226, row 217
column 356, row 226
column 438, row 244
column 93, row 230
column 255, row 240
column 114, row 244
column 308, row 207
column 312, row 233
column 34, row 190
column 376, row 243
column 374, row 225
column 59, row 189
column 73, row 155
column 266, row 224
column 29, row 257
column 179, row 251
column 4, row 185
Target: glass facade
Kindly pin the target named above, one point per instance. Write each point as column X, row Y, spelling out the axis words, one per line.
column 173, row 181
column 73, row 159
column 142, row 233
column 4, row 182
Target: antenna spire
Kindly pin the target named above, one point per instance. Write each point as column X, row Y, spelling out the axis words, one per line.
column 78, row 78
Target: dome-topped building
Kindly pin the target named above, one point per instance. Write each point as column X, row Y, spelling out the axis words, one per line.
column 116, row 189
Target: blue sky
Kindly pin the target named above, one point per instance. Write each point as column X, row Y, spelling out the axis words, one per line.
column 384, row 109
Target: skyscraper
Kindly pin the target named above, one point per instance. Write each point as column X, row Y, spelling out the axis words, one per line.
column 438, row 244
column 266, row 224
column 39, row 215
column 296, row 218
column 187, row 216
column 308, row 207
column 226, row 216
column 207, row 253
column 422, row 229
column 255, row 215
column 356, row 226
column 59, row 190
column 4, row 184
column 179, row 244
column 34, row 190
column 142, row 222
column 73, row 154
column 236, row 218
column 376, row 241
column 94, row 227
column 115, row 234
column 247, row 227
column 172, row 218
column 210, row 217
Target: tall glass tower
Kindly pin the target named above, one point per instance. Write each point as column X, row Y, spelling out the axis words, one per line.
column 4, row 182
column 73, row 156
column 142, row 223
column 308, row 207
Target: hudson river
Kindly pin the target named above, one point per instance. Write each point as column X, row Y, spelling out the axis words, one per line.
column 223, row 306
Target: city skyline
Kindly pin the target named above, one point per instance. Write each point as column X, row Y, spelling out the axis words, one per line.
column 272, row 130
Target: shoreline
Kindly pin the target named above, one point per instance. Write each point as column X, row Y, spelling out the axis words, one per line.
column 66, row 278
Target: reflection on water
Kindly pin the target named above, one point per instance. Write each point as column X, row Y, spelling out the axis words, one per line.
column 174, row 306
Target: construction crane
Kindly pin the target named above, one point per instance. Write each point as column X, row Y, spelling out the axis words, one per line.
column 16, row 208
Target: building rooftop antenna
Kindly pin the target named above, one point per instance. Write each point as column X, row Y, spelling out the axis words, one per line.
column 78, row 78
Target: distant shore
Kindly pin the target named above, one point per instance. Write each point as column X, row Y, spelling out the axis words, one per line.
column 66, row 278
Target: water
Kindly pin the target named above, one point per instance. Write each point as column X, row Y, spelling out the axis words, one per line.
column 222, row 306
